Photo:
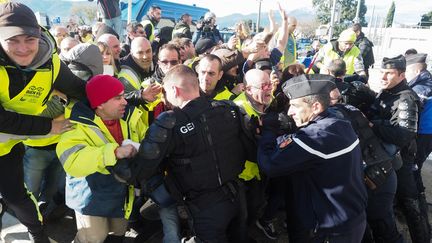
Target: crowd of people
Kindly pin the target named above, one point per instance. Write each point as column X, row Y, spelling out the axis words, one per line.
column 217, row 137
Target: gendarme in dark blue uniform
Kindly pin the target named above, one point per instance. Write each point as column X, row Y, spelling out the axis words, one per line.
column 323, row 160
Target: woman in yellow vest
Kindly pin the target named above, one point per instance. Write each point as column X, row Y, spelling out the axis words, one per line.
column 29, row 71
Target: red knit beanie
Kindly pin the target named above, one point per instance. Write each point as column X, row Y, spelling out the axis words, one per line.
column 101, row 88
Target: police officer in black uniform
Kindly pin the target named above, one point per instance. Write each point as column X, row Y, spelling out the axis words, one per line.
column 203, row 148
column 323, row 159
column 394, row 116
column 380, row 176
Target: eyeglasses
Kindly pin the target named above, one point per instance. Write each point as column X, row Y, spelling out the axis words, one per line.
column 264, row 86
column 140, row 32
column 172, row 62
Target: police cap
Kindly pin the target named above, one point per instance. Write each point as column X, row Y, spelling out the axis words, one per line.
column 416, row 58
column 305, row 85
column 398, row 62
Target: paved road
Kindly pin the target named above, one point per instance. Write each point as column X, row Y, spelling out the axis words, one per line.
column 64, row 230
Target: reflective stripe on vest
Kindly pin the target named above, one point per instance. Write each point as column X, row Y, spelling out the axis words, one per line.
column 130, row 76
column 100, row 135
column 146, row 22
column 349, row 57
column 251, row 169
column 30, row 101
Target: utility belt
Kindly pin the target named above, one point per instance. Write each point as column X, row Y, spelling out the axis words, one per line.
column 376, row 175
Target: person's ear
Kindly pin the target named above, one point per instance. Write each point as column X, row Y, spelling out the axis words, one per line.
column 317, row 108
column 176, row 90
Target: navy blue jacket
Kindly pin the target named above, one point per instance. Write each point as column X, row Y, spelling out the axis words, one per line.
column 324, row 162
column 422, row 85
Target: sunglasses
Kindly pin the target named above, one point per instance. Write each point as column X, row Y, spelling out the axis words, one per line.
column 264, row 86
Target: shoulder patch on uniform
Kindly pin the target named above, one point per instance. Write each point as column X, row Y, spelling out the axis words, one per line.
column 284, row 141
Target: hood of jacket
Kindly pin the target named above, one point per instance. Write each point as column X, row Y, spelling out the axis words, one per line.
column 88, row 55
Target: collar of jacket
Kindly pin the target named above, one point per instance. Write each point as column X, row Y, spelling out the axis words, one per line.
column 195, row 107
column 424, row 77
column 42, row 58
column 398, row 88
column 360, row 37
column 320, row 116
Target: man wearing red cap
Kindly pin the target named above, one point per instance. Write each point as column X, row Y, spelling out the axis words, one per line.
column 30, row 70
column 106, row 130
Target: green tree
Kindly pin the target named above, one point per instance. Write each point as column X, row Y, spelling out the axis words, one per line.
column 390, row 15
column 348, row 10
column 86, row 13
column 426, row 20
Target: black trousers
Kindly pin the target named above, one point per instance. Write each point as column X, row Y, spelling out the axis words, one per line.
column 13, row 191
column 408, row 200
column 380, row 215
column 219, row 217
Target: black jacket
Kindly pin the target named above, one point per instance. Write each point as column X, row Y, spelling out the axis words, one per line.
column 15, row 123
column 394, row 115
column 365, row 46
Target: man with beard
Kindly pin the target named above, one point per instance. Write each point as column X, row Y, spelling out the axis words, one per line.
column 138, row 65
column 168, row 57
column 150, row 21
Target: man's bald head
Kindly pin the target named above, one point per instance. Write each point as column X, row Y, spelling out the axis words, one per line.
column 112, row 42
column 292, row 24
column 141, row 52
column 255, row 77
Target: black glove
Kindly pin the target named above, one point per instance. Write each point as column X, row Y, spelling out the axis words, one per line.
column 279, row 123
column 359, row 95
column 287, row 123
